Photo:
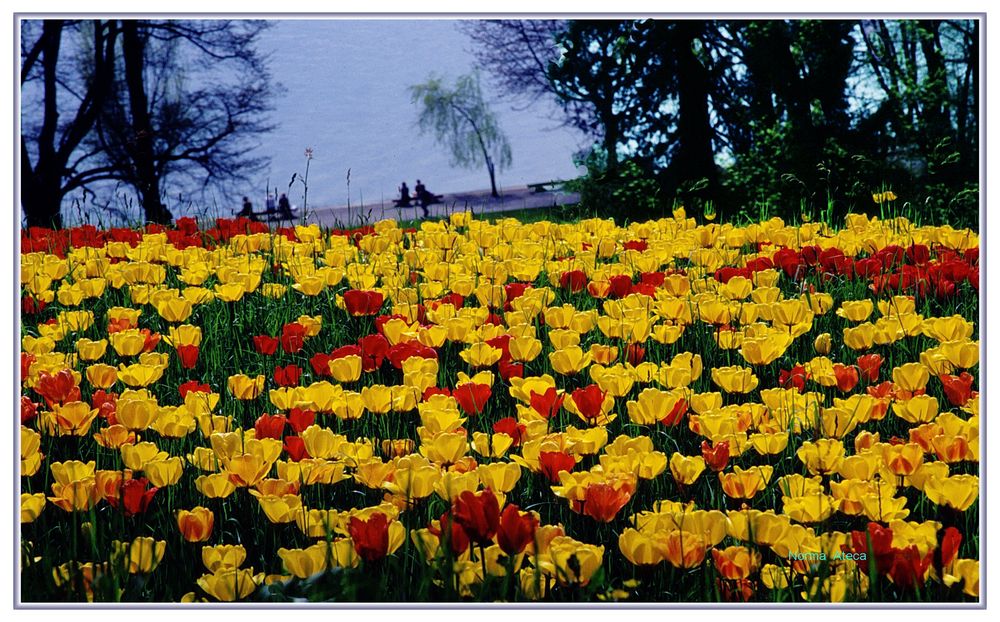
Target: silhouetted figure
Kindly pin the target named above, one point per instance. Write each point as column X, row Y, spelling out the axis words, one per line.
column 247, row 211
column 284, row 208
column 404, row 196
column 424, row 197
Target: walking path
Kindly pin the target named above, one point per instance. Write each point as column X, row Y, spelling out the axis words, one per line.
column 478, row 202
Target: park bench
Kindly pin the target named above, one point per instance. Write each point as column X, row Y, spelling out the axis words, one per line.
column 414, row 202
column 543, row 186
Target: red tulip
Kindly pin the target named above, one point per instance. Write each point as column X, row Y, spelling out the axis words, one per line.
column 193, row 385
column 371, row 537
column 359, row 302
column 479, row 515
column 106, row 405
column 908, row 567
column 295, row 447
column 458, row 540
column 293, row 337
column 319, row 363
column 621, row 285
column 509, row 369
column 402, row 351
column 881, row 547
column 373, row 351
column 152, row 339
column 950, row 542
column 573, row 280
column 270, row 426
column 58, row 388
column 716, row 456
column 133, row 497
column 29, row 409
column 26, row 361
column 847, row 376
column 635, row 354
column 265, row 345
column 516, row 530
column 958, row 389
column 512, row 428
column 552, row 462
column 868, row 365
column 287, row 376
column 603, row 501
column 472, row 397
column 589, row 400
column 188, row 356
column 300, row 419
column 547, row 404
column 793, row 378
column 676, row 414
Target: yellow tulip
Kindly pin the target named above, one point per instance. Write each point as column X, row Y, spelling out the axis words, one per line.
column 860, row 337
column 74, row 418
column 141, row 556
column 223, row 557
column 303, row 563
column 139, row 374
column 734, row 379
column 823, row 456
column 499, row 476
column 856, row 310
column 746, row 484
column 570, row 360
column 814, row 508
column 681, row 548
column 958, row 491
column 243, row 387
column 185, row 335
column 686, row 469
column 823, row 344
column 481, row 354
column 136, row 414
column 639, row 548
column 196, row 525
column 127, row 342
column 175, row 309
column 346, row 368
column 75, row 496
column 162, row 473
column 91, row 350
column 910, row 377
column 231, row 584
column 215, row 486
column 31, row 506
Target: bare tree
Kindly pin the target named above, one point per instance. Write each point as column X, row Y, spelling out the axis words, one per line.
column 147, row 103
column 176, row 116
column 55, row 124
column 517, row 53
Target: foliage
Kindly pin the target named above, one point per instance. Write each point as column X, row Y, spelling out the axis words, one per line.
column 463, row 122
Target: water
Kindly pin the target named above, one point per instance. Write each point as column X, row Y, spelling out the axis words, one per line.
column 345, row 96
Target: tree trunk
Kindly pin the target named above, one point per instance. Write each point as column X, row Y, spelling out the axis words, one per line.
column 41, row 196
column 493, row 179
column 695, row 158
column 147, row 179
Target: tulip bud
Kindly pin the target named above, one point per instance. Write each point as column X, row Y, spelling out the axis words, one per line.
column 823, row 344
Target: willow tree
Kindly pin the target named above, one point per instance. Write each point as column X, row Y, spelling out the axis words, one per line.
column 463, row 122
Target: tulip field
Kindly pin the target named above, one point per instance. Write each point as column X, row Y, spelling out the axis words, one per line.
column 671, row 411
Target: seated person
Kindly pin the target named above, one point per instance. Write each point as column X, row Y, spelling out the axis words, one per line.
column 404, row 196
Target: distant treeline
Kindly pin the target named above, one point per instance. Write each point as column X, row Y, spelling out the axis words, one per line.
column 757, row 117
